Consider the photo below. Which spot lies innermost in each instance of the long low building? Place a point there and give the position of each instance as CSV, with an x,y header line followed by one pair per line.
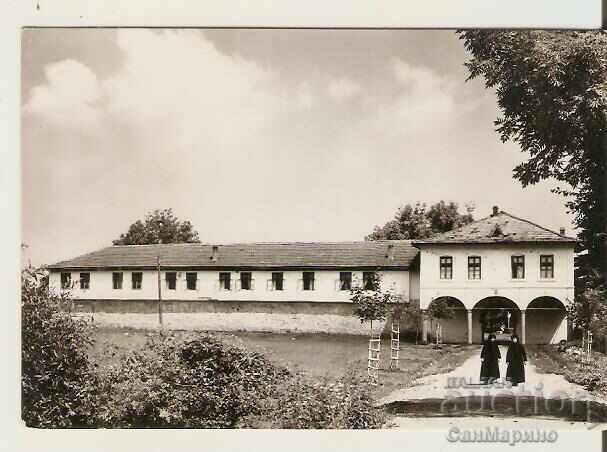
x,y
500,274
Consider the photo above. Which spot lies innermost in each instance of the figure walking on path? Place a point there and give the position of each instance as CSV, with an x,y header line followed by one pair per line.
x,y
516,359
490,357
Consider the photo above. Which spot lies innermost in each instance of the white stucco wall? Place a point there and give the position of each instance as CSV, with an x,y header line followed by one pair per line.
x,y
326,286
496,277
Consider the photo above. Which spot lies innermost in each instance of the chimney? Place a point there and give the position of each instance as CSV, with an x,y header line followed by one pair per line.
x,y
496,210
214,255
562,231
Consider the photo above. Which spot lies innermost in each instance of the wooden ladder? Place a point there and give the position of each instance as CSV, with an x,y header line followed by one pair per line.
x,y
395,345
439,336
374,357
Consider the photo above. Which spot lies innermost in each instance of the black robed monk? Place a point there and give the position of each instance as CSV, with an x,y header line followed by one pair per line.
x,y
516,359
490,358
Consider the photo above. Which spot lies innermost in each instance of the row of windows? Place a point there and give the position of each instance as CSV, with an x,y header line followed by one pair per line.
x,y
225,280
517,264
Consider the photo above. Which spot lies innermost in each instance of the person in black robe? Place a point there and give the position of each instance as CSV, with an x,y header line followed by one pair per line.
x,y
490,358
516,359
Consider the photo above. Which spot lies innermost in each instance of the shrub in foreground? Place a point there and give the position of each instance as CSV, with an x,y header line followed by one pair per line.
x,y
58,382
194,383
299,404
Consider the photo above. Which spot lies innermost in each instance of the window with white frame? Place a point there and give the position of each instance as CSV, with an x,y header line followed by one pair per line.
x,y
66,280
446,267
474,267
547,266
225,281
345,280
518,267
246,281
117,278
136,280
308,280
171,280
278,281
85,281
368,280
191,279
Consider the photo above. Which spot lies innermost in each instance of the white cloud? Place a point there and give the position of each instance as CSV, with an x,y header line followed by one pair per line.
x,y
424,101
180,84
343,88
70,96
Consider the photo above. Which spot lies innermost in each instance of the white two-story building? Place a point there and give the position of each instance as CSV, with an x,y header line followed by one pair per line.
x,y
500,273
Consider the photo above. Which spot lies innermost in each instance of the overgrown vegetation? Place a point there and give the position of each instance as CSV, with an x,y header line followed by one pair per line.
x,y
592,374
59,385
299,404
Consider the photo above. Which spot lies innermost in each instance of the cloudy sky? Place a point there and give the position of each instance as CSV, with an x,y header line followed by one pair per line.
x,y
254,135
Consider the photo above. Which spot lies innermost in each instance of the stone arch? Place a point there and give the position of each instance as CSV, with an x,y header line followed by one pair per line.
x,y
546,320
454,329
496,315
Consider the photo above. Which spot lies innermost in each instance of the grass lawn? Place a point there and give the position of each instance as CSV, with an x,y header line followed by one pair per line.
x,y
317,355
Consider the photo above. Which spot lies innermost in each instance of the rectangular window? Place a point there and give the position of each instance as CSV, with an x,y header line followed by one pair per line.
x,y
368,280
66,280
446,267
117,280
546,266
345,280
308,280
225,280
190,280
85,281
277,281
474,267
518,267
136,280
171,279
246,280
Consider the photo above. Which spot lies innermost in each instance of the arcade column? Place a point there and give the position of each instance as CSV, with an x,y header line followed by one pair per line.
x,y
424,326
469,312
523,316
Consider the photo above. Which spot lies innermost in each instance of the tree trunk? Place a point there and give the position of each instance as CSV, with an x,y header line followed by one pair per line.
x,y
604,209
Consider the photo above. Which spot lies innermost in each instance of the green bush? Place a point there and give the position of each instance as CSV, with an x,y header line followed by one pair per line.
x,y
299,404
193,383
58,382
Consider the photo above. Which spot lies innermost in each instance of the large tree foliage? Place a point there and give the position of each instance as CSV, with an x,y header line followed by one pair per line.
x,y
551,89
159,226
58,382
419,222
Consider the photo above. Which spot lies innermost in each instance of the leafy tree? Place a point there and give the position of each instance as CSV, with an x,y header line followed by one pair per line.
x,y
418,222
159,226
551,89
588,311
441,309
370,301
58,382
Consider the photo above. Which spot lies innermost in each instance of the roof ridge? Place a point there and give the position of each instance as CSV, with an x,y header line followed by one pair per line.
x,y
535,224
459,228
297,242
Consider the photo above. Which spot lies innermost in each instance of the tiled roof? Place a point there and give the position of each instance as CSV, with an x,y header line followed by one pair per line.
x,y
499,228
371,254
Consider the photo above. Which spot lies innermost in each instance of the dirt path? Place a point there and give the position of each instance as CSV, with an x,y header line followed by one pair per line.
x,y
463,381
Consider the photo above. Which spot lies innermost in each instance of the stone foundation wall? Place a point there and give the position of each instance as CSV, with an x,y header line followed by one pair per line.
x,y
300,317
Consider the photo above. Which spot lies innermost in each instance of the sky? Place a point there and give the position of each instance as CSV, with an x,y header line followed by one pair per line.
x,y
255,135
